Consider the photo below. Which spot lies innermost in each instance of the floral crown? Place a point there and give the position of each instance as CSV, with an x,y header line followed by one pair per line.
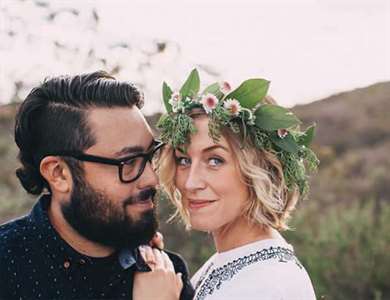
x,y
269,127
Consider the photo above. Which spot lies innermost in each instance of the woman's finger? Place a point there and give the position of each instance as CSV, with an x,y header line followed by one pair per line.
x,y
179,281
148,255
157,241
142,252
159,259
167,262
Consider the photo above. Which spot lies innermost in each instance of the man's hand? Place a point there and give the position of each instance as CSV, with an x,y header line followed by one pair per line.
x,y
161,283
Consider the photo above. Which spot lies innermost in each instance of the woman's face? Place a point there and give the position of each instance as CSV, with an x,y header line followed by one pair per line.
x,y
209,181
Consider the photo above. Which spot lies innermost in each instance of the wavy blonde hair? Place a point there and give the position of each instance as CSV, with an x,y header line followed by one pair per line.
x,y
270,202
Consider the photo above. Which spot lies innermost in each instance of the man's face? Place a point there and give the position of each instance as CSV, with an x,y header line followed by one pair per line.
x,y
101,207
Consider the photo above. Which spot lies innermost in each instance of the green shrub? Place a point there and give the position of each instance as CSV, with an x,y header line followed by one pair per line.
x,y
346,250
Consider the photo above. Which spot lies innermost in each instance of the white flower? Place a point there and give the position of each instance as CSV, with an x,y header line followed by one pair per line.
x,y
188,100
209,102
224,87
233,106
282,133
175,99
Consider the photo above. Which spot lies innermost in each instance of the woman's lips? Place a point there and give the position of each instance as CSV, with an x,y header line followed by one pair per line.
x,y
198,204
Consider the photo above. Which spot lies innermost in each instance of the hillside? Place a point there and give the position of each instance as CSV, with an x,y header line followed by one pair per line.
x,y
353,139
341,230
350,120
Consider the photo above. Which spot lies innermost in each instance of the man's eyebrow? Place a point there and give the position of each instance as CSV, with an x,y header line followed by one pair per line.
x,y
132,149
129,150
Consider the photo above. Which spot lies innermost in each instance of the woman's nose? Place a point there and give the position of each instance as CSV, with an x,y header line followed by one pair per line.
x,y
195,180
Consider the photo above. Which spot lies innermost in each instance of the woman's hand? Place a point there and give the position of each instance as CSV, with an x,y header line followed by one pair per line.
x,y
161,283
157,241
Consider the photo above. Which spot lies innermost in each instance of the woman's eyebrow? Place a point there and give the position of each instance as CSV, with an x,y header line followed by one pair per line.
x,y
208,149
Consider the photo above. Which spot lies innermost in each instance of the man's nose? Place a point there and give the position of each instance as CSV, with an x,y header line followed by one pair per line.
x,y
149,177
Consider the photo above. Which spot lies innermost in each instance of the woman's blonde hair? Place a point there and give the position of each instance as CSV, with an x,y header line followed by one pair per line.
x,y
270,202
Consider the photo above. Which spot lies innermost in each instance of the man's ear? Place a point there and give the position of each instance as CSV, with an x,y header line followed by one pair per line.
x,y
57,174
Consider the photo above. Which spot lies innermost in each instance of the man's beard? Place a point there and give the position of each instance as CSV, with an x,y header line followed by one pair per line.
x,y
93,215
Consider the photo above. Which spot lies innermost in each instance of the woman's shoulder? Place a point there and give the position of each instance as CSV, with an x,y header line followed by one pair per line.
x,y
273,266
275,280
269,266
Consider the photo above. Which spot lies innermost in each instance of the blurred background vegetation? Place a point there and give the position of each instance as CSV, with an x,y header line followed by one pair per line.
x,y
340,233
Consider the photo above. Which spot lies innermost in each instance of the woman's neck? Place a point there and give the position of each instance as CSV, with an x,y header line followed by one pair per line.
x,y
240,232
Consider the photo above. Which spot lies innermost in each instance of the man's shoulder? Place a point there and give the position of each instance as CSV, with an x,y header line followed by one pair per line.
x,y
15,234
180,265
176,259
178,262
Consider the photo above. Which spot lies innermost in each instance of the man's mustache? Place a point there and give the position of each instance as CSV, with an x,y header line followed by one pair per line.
x,y
142,196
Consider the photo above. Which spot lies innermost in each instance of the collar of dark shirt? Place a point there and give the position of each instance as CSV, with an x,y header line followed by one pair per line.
x,y
58,249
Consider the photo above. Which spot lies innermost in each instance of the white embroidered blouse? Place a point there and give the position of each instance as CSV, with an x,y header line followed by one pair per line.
x,y
266,269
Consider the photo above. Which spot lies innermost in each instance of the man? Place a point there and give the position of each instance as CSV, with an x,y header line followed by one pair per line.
x,y
87,150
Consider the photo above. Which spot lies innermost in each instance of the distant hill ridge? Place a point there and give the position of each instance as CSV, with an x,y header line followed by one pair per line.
x,y
349,119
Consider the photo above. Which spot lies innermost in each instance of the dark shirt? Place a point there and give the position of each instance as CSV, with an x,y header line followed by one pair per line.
x,y
36,263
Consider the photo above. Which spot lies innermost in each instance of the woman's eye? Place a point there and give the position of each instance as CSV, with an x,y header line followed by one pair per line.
x,y
183,161
215,161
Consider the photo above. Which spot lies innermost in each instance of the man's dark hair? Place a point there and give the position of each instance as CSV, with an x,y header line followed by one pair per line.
x,y
53,118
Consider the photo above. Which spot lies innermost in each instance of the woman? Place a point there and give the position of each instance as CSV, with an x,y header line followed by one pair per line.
x,y
235,166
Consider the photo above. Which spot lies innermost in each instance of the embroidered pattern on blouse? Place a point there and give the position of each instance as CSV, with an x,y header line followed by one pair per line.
x,y
203,276
228,271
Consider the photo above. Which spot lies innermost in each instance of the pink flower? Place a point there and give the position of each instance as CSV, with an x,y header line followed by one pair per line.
x,y
282,133
175,99
209,102
224,87
233,106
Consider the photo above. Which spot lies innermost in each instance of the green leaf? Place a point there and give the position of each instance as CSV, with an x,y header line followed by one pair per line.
x,y
250,92
272,117
191,86
308,136
287,143
213,89
167,93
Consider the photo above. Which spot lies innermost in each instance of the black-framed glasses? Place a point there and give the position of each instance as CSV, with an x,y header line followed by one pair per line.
x,y
130,168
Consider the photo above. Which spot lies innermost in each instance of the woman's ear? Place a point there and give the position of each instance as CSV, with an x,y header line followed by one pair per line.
x,y
57,174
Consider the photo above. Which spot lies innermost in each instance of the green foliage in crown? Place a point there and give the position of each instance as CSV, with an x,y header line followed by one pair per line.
x,y
269,127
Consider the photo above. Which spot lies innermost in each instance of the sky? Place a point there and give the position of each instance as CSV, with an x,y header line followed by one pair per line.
x,y
308,49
